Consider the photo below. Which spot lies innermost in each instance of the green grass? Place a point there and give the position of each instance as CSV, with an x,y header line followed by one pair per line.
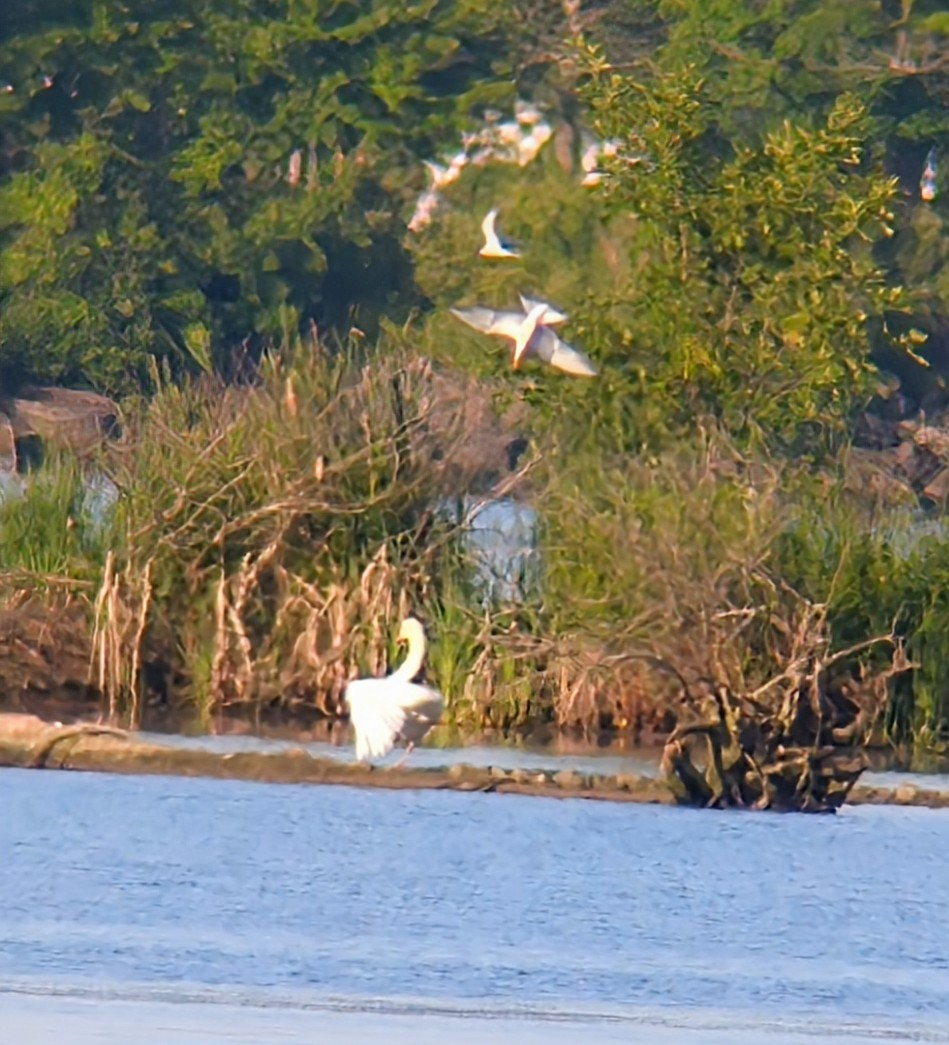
x,y
49,526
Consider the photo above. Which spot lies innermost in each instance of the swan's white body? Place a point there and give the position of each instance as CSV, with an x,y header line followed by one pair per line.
x,y
493,245
543,343
392,710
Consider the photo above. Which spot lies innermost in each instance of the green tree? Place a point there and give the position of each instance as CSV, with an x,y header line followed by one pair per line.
x,y
758,279
796,60
180,178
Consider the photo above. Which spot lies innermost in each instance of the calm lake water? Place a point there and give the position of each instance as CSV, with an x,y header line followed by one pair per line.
x,y
153,909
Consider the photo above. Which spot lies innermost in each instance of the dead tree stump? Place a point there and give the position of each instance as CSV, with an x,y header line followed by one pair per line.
x,y
797,741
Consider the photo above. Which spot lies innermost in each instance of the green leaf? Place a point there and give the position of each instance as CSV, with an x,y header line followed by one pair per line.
x,y
197,339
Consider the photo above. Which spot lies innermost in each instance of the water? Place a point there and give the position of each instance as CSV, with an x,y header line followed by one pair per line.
x,y
586,759
98,499
502,541
227,911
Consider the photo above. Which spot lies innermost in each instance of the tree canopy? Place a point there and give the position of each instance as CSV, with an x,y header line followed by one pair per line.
x,y
179,178
183,183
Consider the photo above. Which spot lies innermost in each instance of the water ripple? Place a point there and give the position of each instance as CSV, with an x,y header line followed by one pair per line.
x,y
459,904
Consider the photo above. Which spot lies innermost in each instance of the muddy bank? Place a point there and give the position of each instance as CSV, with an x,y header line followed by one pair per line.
x,y
28,742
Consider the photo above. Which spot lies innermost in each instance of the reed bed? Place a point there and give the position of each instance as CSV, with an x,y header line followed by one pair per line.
x,y
275,535
265,539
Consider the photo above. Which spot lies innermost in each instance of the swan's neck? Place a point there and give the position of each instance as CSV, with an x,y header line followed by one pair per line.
x,y
414,658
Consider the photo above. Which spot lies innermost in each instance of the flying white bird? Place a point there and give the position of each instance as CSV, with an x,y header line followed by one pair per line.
x,y
589,161
590,155
525,331
509,132
457,164
530,144
394,710
593,152
424,210
927,183
442,176
543,343
494,246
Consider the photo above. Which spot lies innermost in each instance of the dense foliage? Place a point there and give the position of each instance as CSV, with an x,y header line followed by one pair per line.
x,y
796,60
181,178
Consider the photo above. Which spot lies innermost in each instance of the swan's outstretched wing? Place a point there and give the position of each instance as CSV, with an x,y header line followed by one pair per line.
x,y
382,711
376,719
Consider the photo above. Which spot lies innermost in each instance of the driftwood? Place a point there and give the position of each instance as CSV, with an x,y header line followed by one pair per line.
x,y
44,736
55,736
796,743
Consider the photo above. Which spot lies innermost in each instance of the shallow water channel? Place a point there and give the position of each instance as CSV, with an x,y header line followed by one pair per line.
x,y
153,909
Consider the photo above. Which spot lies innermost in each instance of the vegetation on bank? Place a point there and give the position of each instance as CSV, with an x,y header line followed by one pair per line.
x,y
709,540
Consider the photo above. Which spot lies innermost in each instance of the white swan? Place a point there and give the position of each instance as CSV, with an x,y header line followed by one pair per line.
x,y
543,343
394,709
494,247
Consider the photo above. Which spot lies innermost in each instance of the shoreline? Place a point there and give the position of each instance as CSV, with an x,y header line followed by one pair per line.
x,y
93,1014
27,742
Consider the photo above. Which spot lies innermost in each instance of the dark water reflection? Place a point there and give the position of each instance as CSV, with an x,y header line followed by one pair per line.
x,y
303,896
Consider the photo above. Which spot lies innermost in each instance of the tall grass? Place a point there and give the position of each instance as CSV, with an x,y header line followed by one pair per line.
x,y
49,523
886,571
706,566
267,538
273,535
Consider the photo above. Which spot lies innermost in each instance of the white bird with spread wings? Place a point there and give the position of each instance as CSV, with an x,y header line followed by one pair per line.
x,y
534,323
394,710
